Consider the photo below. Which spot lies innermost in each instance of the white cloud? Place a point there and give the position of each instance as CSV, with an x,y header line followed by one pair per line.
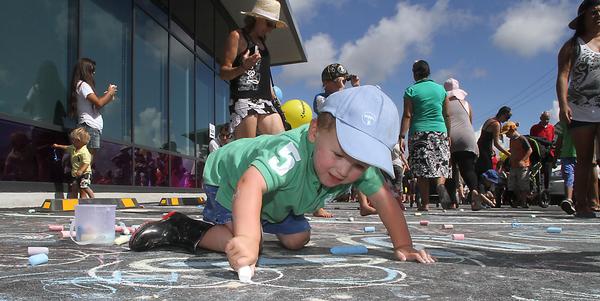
x,y
149,127
458,71
554,112
533,26
377,54
321,52
479,73
304,9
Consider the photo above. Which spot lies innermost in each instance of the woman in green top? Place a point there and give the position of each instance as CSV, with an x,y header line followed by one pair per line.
x,y
426,115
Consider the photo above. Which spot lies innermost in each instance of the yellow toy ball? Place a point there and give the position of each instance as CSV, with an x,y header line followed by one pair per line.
x,y
297,112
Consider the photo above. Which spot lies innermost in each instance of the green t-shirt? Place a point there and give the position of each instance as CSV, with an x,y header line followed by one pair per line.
x,y
286,164
427,99
567,150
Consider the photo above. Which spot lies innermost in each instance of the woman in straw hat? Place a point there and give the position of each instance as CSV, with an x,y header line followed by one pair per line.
x,y
577,86
247,65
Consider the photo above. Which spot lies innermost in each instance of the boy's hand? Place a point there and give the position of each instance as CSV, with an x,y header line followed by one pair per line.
x,y
242,251
409,253
79,173
54,145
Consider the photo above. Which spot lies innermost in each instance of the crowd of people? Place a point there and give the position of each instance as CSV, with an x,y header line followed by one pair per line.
x,y
267,183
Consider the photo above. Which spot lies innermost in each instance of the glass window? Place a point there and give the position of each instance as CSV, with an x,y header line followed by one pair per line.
x,y
223,25
221,100
106,38
158,9
204,107
34,72
182,21
112,164
149,84
181,98
205,30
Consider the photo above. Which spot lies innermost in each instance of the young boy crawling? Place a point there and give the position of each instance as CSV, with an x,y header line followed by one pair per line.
x,y
269,182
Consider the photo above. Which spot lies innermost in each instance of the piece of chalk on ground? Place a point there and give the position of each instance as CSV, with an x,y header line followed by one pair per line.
x,y
55,227
554,229
446,226
349,250
38,259
31,210
461,210
533,215
122,239
67,234
418,213
351,219
36,250
424,223
458,236
369,229
515,225
245,274
118,229
141,206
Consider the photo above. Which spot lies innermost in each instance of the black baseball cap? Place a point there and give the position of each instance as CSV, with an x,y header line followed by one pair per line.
x,y
581,11
333,71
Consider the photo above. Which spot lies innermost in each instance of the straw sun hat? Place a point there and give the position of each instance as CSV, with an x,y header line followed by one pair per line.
x,y
267,9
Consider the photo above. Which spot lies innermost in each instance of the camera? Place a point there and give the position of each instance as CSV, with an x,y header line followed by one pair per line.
x,y
349,77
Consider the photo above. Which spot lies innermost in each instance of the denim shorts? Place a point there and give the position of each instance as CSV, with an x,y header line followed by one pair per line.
x,y
217,214
94,136
568,171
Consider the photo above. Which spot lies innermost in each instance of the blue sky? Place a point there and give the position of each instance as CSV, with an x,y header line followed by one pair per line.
x,y
502,52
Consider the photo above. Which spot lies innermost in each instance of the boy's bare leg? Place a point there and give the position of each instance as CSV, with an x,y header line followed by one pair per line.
x,y
217,237
294,241
89,192
321,212
365,207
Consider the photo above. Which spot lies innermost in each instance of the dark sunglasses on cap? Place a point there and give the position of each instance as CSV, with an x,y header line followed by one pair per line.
x,y
271,24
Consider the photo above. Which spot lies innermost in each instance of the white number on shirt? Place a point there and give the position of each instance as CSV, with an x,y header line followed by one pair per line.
x,y
290,154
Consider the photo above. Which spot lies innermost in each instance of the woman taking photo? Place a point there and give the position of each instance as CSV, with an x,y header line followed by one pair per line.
x,y
247,66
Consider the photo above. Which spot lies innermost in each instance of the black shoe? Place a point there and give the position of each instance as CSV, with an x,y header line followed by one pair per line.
x,y
174,229
444,196
567,206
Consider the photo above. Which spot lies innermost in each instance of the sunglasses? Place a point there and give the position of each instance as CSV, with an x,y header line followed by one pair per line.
x,y
271,24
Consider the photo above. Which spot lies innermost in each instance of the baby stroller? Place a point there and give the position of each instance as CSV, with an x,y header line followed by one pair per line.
x,y
540,155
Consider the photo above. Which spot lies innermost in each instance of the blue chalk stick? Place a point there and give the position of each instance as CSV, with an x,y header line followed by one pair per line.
x,y
38,259
516,225
348,250
369,229
554,230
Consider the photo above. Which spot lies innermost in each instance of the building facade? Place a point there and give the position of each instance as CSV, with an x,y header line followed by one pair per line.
x,y
164,57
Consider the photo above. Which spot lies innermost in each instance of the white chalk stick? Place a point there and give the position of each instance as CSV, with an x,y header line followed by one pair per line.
x,y
245,274
447,226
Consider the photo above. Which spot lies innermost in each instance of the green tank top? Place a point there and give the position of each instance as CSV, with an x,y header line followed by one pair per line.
x,y
427,99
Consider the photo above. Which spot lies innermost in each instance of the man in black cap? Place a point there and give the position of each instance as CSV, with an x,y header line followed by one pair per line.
x,y
334,78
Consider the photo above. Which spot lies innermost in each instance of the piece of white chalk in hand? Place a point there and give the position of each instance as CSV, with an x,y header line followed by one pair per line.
x,y
245,274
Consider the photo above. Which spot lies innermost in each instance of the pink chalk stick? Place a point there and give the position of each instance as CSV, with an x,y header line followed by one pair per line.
x,y
36,250
55,227
67,234
447,226
424,223
458,236
118,229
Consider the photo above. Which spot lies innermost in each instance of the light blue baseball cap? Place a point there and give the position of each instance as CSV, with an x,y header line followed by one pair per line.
x,y
367,124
